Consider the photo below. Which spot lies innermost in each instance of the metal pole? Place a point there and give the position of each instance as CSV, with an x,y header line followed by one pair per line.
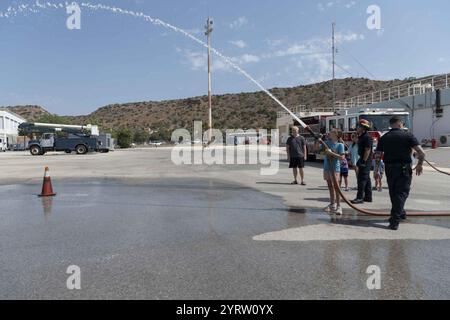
x,y
208,32
333,25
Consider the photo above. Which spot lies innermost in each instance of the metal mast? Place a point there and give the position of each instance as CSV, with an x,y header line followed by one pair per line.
x,y
333,25
209,29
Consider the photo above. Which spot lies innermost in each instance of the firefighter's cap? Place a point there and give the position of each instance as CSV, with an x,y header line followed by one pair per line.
x,y
364,124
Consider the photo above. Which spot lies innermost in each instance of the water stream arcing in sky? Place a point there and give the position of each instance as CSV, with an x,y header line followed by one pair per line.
x,y
34,8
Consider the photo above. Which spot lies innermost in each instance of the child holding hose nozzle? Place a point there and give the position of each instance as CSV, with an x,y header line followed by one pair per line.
x,y
334,152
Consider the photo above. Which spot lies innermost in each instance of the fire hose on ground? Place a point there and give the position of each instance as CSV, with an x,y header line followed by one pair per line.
x,y
366,211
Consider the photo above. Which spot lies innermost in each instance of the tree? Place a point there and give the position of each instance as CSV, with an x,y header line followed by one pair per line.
x,y
124,138
93,120
141,136
53,118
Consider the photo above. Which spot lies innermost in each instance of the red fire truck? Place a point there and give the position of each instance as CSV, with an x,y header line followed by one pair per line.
x,y
347,120
318,125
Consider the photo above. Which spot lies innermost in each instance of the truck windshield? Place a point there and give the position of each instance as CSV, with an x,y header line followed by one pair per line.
x,y
381,122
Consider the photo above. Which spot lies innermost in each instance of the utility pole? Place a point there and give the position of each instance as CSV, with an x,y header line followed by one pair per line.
x,y
209,29
333,25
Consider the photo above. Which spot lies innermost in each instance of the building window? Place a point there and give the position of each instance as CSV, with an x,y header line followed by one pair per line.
x,y
352,122
341,124
332,124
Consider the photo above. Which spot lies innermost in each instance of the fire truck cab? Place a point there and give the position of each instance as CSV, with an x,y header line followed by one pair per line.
x,y
347,121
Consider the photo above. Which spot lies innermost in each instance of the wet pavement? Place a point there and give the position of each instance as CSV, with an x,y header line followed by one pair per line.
x,y
204,239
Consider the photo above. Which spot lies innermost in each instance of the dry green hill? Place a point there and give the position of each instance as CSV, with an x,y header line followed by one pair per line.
x,y
31,113
243,110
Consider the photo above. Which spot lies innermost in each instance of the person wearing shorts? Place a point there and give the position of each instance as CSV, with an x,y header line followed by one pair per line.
x,y
335,152
344,174
296,151
378,172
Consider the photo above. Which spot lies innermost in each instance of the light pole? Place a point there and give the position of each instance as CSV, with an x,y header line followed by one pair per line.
x,y
333,25
209,29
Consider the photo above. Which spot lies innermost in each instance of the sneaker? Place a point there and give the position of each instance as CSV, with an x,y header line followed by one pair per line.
x,y
357,201
347,189
338,211
330,208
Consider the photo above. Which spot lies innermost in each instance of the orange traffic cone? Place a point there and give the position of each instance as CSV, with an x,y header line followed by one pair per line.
x,y
47,190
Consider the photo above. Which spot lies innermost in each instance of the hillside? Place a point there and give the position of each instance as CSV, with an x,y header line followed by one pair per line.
x,y
243,110
31,113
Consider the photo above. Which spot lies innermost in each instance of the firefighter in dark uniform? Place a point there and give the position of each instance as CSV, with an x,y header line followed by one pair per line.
x,y
365,150
397,146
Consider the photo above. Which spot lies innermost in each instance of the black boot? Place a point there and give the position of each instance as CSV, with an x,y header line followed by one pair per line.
x,y
393,226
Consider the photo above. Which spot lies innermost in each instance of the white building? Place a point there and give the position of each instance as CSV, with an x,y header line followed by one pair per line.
x,y
419,99
9,126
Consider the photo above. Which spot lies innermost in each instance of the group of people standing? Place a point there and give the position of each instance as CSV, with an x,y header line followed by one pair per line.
x,y
395,147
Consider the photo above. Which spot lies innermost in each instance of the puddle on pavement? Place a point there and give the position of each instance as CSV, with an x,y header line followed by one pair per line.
x,y
151,237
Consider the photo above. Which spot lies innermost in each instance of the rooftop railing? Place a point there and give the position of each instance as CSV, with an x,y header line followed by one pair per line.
x,y
304,111
412,88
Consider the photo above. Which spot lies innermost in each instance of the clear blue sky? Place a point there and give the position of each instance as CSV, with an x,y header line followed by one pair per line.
x,y
116,58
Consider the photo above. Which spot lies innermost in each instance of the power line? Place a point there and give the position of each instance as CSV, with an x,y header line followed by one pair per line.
x,y
360,64
345,70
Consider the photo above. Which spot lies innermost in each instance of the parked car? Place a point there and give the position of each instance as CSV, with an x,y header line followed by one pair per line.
x,y
155,143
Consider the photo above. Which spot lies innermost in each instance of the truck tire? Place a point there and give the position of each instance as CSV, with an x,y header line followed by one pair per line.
x,y
36,151
81,149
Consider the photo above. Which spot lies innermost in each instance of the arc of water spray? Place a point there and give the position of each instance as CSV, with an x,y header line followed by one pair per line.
x,y
158,22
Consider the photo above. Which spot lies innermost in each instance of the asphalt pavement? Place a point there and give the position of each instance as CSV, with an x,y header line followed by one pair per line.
x,y
147,229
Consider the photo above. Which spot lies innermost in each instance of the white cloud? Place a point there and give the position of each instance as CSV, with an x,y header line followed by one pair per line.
x,y
350,4
198,60
348,37
194,31
317,68
249,58
276,42
313,46
239,23
310,60
239,43
337,3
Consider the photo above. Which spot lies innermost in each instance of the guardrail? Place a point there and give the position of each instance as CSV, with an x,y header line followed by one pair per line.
x,y
303,111
420,86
